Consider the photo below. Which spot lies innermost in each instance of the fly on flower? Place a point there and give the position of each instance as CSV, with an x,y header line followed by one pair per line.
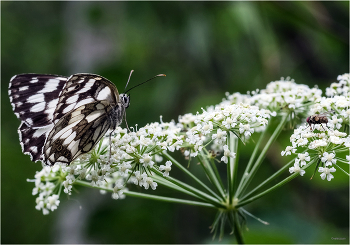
x,y
318,119
64,117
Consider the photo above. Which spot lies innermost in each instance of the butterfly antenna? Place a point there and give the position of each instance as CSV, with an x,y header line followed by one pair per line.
x,y
159,75
128,79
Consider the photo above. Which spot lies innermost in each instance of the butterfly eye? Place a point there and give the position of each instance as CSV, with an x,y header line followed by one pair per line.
x,y
126,101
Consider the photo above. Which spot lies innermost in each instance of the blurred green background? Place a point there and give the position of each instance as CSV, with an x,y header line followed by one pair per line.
x,y
205,49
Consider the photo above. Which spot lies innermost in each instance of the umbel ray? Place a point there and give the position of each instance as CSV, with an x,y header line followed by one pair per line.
x,y
64,117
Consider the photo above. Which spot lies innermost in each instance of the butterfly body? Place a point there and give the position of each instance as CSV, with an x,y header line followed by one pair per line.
x,y
63,118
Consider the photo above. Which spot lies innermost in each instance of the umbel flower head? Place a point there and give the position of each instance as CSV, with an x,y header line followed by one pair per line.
x,y
342,87
135,156
320,145
213,124
278,96
141,156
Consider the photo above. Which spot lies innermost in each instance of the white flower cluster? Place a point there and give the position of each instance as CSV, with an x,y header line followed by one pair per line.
x,y
320,144
341,88
45,186
136,153
214,123
51,180
279,95
338,105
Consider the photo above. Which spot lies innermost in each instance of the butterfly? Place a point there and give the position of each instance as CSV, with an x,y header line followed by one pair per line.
x,y
64,117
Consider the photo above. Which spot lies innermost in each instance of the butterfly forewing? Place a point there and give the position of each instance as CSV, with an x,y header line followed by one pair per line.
x,y
81,89
78,132
34,97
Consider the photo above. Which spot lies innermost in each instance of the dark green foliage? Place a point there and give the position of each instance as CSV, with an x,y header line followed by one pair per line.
x,y
205,49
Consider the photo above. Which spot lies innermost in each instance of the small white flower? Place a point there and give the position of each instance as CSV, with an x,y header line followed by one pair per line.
x,y
328,158
227,154
117,190
166,168
303,158
219,137
289,150
326,172
335,122
52,202
67,187
246,129
147,160
124,168
138,180
148,182
158,158
230,122
93,176
296,169
318,144
207,128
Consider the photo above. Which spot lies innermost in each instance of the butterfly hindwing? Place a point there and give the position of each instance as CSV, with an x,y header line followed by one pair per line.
x,y
34,97
78,132
81,89
32,140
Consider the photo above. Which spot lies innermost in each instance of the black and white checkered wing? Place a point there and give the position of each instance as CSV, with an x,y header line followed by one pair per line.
x,y
34,97
64,117
78,132
81,89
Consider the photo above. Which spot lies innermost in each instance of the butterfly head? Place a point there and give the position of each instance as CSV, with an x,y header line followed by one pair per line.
x,y
125,100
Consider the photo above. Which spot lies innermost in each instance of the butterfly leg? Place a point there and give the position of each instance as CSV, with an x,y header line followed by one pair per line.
x,y
126,122
110,147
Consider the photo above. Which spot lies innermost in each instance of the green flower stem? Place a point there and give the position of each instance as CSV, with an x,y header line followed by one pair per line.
x,y
252,157
283,182
214,226
168,199
232,165
177,164
211,174
345,149
216,172
237,228
212,162
170,185
148,196
189,188
272,177
263,153
342,160
341,169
